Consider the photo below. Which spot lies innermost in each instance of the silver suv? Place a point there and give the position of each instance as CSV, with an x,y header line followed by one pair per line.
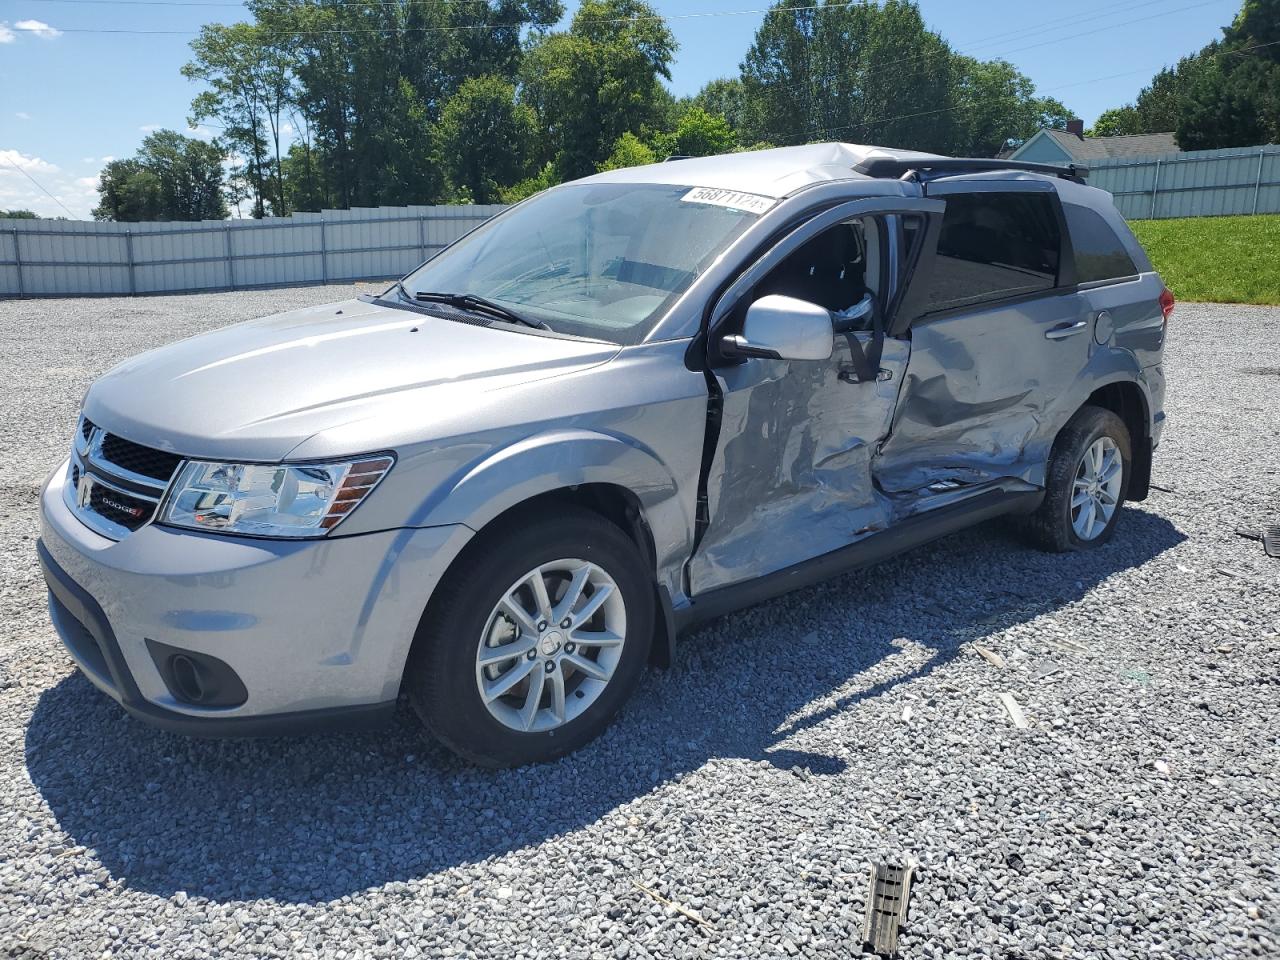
x,y
626,405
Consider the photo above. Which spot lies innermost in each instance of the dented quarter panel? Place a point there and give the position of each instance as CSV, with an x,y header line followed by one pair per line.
x,y
983,393
791,478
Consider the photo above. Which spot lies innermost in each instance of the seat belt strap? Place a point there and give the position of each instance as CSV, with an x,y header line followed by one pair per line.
x,y
865,363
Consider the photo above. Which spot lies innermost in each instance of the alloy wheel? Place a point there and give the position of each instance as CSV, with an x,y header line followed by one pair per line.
x,y
1095,493
550,645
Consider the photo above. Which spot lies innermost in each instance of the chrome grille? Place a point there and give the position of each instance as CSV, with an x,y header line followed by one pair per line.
x,y
113,484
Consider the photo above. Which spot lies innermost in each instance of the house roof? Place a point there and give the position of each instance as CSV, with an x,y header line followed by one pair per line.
x,y
1110,148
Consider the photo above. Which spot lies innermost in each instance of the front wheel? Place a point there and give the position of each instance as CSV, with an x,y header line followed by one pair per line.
x,y
540,635
1085,484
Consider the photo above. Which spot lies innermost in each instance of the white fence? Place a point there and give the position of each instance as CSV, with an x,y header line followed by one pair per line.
x,y
1202,183
70,258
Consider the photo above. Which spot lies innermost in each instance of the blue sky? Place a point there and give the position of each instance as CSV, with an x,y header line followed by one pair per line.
x,y
71,99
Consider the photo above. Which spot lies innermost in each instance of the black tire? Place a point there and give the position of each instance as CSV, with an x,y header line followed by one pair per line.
x,y
1050,527
441,676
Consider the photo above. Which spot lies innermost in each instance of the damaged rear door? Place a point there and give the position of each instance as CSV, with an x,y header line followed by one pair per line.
x,y
1001,338
789,474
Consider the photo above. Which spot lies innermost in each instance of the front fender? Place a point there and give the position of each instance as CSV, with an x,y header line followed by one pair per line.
x,y
504,478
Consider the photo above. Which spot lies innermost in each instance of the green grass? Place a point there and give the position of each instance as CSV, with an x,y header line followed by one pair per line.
x,y
1216,259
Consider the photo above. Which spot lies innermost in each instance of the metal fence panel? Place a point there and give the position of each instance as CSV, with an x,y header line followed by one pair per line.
x,y
72,258
1202,183
69,258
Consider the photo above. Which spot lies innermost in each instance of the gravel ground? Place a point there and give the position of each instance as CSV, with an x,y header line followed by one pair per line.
x,y
752,783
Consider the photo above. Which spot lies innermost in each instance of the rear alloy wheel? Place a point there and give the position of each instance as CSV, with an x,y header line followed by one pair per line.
x,y
538,635
1095,493
1085,483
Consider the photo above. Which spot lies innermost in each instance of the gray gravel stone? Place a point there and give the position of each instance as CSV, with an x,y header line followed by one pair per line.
x,y
752,784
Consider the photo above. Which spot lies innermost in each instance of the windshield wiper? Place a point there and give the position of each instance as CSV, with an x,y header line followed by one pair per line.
x,y
471,301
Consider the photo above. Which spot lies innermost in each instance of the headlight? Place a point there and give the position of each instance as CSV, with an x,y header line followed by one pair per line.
x,y
271,500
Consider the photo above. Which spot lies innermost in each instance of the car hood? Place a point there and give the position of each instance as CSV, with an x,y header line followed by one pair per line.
x,y
256,390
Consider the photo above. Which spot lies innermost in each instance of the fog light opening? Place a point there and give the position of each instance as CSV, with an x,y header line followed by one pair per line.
x,y
186,676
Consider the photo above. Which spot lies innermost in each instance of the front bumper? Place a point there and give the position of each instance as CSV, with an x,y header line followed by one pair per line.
x,y
318,631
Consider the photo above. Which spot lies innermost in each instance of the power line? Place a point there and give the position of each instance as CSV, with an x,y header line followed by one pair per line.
x,y
41,186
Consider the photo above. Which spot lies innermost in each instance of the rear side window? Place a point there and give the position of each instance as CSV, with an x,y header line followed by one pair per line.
x,y
1099,253
994,246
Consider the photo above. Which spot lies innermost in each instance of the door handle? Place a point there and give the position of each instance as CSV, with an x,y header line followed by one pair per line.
x,y
1066,330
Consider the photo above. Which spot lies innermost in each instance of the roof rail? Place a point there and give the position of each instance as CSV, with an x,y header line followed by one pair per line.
x,y
892,167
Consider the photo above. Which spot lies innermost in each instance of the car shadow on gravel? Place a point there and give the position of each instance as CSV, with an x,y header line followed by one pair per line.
x,y
315,819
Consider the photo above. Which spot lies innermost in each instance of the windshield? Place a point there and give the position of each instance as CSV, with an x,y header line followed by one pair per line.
x,y
593,260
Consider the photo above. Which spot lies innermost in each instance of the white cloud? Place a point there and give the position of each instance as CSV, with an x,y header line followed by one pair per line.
x,y
39,28
88,159
22,115
13,158
108,158
201,132
17,191
151,127
6,35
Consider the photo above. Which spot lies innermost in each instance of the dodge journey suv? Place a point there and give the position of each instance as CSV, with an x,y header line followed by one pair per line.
x,y
630,403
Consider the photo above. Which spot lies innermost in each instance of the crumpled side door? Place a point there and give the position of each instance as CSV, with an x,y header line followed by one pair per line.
x,y
989,385
790,476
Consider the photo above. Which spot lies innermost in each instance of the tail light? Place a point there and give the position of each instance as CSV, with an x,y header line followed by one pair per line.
x,y
1166,303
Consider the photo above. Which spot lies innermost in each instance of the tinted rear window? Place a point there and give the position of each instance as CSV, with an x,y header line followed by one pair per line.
x,y
1100,255
994,246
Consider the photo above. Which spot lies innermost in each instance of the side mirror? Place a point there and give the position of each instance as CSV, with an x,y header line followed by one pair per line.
x,y
783,328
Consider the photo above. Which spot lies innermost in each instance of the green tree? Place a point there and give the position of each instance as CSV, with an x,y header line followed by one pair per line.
x,y
726,98
864,73
1256,27
995,105
250,90
171,177
698,134
1253,65
1230,105
128,193
1117,122
18,215
1159,102
1225,95
629,151
598,80
544,179
372,80
486,138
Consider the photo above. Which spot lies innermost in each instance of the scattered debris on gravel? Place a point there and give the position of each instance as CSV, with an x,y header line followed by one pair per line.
x,y
737,807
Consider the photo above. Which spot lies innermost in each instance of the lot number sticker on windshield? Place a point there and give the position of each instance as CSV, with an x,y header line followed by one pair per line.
x,y
734,199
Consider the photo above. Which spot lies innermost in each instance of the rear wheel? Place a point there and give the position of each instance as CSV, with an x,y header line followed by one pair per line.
x,y
1085,484
540,635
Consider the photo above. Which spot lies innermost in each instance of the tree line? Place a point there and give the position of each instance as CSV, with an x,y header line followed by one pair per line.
x,y
1225,95
338,103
